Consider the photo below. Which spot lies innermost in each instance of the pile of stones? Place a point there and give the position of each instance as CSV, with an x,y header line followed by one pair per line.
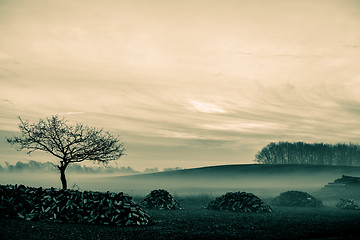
x,y
296,199
240,202
53,205
347,204
160,199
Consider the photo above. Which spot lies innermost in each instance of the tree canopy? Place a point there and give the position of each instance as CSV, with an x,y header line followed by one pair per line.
x,y
69,143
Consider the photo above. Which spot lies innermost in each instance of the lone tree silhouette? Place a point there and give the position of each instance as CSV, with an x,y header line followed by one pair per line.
x,y
71,144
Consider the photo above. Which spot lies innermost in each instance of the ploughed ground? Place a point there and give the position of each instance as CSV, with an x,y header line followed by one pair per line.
x,y
195,222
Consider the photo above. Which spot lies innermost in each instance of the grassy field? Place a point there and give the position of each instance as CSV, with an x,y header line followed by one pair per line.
x,y
194,189
195,222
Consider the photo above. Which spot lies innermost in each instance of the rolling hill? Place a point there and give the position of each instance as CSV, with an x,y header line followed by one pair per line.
x,y
261,179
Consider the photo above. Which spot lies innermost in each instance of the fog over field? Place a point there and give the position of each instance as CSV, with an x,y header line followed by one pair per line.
x,y
265,181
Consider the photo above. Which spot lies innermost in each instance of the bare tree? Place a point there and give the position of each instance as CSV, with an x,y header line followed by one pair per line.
x,y
69,143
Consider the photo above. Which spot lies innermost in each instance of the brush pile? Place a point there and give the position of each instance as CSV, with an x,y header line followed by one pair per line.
x,y
344,187
296,199
347,204
240,202
70,206
160,199
348,181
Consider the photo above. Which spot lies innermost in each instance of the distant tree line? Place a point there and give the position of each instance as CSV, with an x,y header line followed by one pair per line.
x,y
35,166
151,170
309,153
155,169
49,167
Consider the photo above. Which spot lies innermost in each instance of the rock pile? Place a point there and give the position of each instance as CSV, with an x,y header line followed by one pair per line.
x,y
296,199
347,204
70,206
160,199
239,201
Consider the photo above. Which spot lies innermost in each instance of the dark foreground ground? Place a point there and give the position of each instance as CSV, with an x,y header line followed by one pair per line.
x,y
195,222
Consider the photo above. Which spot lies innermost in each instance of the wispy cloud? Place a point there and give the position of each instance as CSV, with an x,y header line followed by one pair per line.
x,y
205,107
69,113
210,85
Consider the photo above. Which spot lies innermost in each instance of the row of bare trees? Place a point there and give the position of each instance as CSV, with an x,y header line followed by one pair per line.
x,y
49,167
309,153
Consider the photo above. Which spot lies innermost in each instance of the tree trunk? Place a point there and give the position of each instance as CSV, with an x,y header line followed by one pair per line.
x,y
63,178
62,175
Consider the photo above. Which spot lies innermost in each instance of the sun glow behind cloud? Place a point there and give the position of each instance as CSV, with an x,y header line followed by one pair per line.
x,y
205,107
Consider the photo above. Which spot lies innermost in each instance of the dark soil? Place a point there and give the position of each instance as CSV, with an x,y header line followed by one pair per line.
x,y
195,222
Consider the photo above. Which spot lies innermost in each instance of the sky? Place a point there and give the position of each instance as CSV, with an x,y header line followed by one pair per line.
x,y
184,83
